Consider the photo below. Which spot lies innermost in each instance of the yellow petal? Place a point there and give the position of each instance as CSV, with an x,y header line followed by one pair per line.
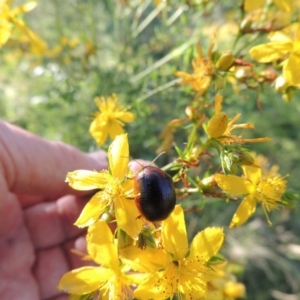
x,y
154,287
99,133
174,235
250,5
136,278
218,103
84,180
115,129
252,173
24,8
125,116
118,156
5,31
100,245
206,243
245,210
280,37
285,5
291,70
75,297
270,52
145,260
128,217
213,295
92,211
37,44
233,185
83,280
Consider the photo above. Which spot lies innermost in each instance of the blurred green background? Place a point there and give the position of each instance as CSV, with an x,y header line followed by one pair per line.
x,y
132,49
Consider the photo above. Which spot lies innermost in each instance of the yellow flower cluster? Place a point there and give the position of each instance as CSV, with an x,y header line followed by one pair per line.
x,y
220,127
109,120
115,190
257,188
284,47
10,23
138,259
153,260
203,71
128,272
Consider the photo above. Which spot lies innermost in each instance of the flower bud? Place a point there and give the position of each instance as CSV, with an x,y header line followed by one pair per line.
x,y
234,290
225,61
244,157
233,157
146,238
217,125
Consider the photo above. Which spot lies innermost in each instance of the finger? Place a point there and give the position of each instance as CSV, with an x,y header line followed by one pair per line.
x,y
32,165
138,164
21,285
52,263
60,297
16,254
50,224
50,266
11,218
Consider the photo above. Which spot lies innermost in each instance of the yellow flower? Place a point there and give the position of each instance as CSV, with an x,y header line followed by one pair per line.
x,y
9,19
176,269
285,5
203,71
223,285
109,278
284,45
114,192
267,190
220,127
110,119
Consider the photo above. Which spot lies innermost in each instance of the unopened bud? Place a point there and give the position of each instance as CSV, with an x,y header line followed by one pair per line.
x,y
225,61
146,238
217,125
234,290
245,158
232,158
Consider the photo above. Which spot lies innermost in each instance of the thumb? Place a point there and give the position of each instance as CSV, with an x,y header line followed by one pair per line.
x,y
34,166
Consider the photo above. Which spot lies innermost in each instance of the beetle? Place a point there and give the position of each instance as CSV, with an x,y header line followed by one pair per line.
x,y
155,193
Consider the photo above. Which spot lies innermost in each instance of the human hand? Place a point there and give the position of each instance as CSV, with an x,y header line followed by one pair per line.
x,y
37,212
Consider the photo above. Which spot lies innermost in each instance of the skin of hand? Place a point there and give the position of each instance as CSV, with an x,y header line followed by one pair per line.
x,y
37,212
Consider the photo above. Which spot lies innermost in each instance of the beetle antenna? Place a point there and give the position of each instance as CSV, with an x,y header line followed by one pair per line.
x,y
160,154
151,163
